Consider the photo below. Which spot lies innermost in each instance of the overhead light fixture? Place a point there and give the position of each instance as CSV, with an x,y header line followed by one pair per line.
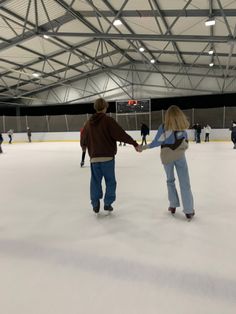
x,y
210,52
35,74
211,64
210,22
141,49
46,36
117,23
152,60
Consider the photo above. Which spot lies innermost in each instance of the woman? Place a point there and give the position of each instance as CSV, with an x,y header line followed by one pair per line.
x,y
173,139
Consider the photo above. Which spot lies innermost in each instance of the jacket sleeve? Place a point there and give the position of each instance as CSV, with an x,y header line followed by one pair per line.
x,y
118,134
158,139
84,138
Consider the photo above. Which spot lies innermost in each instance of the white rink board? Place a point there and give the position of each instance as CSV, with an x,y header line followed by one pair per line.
x,y
216,135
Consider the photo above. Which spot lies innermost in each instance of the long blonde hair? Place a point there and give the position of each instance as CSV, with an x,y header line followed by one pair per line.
x,y
175,119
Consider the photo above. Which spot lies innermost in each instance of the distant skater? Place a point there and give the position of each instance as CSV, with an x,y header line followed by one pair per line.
x,y
198,131
233,133
144,132
10,135
207,130
1,141
173,139
29,133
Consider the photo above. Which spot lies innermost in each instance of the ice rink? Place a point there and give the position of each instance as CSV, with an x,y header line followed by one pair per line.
x,y
58,257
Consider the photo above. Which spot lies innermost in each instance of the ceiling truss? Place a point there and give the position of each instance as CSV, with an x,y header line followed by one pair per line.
x,y
73,59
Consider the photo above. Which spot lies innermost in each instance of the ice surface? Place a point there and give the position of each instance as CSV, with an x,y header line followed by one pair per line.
x,y
56,256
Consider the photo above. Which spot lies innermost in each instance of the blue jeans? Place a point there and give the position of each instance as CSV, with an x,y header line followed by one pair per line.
x,y
184,183
98,171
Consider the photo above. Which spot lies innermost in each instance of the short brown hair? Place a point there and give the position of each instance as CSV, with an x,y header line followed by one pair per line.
x,y
100,104
175,119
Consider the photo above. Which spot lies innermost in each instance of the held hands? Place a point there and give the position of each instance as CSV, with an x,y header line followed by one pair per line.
x,y
139,148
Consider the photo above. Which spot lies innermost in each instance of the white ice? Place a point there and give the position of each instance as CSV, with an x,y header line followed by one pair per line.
x,y
58,257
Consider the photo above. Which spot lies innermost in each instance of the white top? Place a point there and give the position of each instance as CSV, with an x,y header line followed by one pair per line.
x,y
207,129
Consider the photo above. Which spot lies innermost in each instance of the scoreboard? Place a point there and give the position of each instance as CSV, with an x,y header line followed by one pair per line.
x,y
133,106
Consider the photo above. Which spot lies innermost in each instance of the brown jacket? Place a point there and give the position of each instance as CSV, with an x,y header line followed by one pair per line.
x,y
100,135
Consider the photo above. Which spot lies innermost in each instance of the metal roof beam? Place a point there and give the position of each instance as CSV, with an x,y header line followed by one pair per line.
x,y
70,80
3,2
54,73
78,16
165,13
169,72
16,41
147,37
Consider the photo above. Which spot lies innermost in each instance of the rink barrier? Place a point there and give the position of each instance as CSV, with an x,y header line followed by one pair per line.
x,y
216,135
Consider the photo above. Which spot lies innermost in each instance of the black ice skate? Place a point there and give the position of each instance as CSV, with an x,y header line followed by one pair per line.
x,y
82,163
96,208
190,216
172,210
108,208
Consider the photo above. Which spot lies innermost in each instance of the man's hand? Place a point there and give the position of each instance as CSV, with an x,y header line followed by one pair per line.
x,y
138,148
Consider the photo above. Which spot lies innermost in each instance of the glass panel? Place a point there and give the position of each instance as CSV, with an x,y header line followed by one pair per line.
x,y
156,119
57,123
11,123
211,116
37,124
1,124
230,114
188,113
76,122
127,122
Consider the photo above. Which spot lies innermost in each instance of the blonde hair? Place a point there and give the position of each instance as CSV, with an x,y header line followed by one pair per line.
x,y
175,119
100,104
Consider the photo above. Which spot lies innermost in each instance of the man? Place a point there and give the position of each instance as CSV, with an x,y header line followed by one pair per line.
x,y
99,136
10,134
233,133
29,134
198,130
144,132
1,140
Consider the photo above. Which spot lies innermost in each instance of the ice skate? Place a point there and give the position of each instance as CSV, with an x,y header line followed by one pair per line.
x,y
108,208
97,208
190,216
172,210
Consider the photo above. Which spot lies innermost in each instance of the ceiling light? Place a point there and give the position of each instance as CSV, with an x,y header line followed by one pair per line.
x,y
210,52
36,74
210,22
211,64
141,49
117,23
46,36
153,61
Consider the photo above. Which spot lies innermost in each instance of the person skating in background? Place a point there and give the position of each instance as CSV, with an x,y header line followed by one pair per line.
x,y
233,133
207,130
194,127
121,144
173,139
10,135
198,131
83,150
144,132
1,141
29,134
99,136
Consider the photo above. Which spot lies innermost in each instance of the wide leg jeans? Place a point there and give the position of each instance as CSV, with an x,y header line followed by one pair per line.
x,y
184,183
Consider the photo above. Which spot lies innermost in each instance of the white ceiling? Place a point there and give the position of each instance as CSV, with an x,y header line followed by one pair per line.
x,y
84,46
